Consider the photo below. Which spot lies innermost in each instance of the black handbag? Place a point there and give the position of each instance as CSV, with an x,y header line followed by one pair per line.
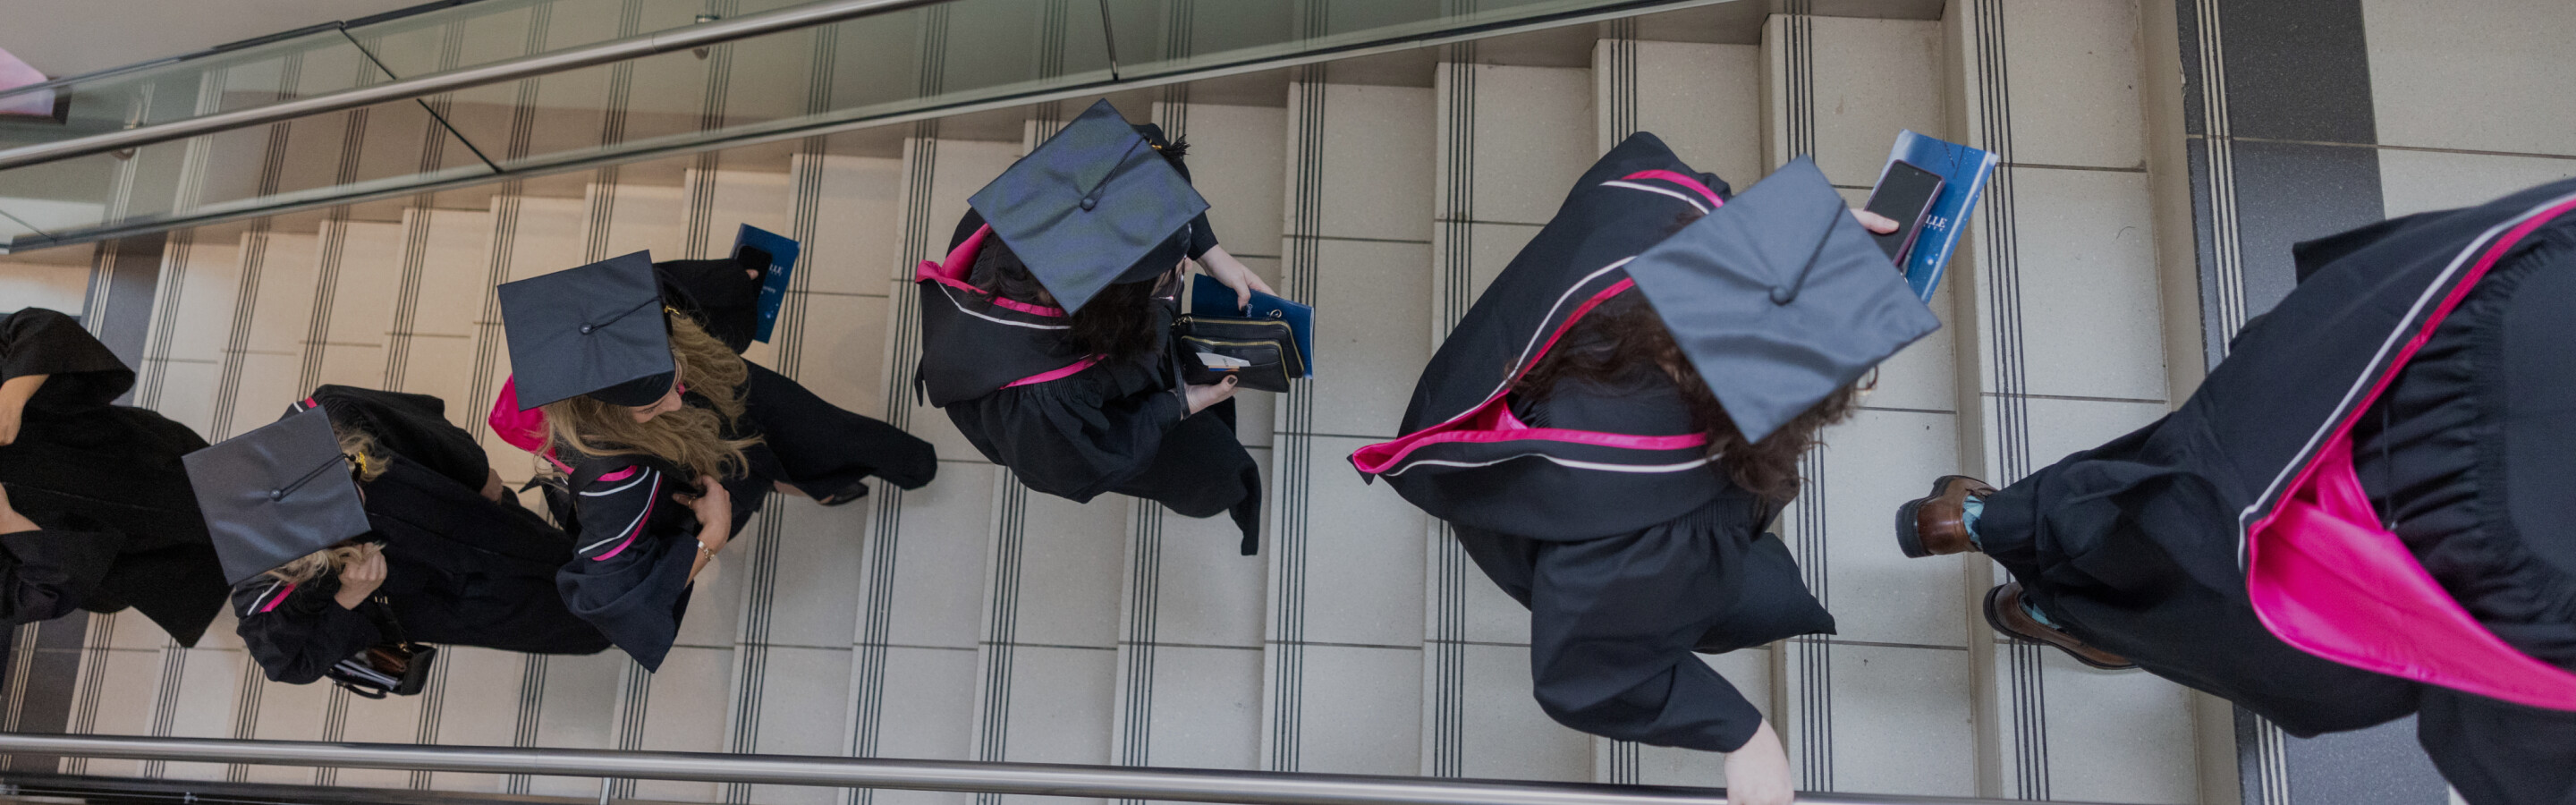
x,y
1261,354
398,668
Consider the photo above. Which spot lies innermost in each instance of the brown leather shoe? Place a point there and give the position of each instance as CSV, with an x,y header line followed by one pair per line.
x,y
1937,524
2004,612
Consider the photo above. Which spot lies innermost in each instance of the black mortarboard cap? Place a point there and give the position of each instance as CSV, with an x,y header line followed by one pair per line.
x,y
1089,207
1779,298
595,329
275,494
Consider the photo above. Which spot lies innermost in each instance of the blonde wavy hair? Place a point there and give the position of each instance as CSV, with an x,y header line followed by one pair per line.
x,y
325,562
691,437
366,463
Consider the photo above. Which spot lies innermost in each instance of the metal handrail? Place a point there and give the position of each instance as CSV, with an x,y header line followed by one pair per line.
x,y
1044,779
758,134
616,50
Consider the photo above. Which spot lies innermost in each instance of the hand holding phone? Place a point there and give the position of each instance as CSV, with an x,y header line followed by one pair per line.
x,y
1904,194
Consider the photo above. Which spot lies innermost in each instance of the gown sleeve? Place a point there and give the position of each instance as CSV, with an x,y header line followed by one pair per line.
x,y
297,631
1202,237
1613,625
36,341
629,575
46,574
1069,437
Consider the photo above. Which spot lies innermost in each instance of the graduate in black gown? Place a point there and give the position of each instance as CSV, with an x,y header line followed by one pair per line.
x,y
663,440
98,476
451,558
2362,513
1046,332
1610,428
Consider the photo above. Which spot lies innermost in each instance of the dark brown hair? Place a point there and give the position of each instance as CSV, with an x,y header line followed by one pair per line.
x,y
1117,322
1609,344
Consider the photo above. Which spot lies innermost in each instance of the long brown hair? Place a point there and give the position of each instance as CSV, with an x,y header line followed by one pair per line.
x,y
691,437
1117,322
1623,333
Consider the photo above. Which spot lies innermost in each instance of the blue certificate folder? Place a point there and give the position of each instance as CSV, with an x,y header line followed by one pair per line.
x,y
1211,299
1965,170
773,284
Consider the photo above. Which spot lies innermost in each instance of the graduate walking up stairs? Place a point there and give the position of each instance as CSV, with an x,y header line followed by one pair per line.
x,y
974,619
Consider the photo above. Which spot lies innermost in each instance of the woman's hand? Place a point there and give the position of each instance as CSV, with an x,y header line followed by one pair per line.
x,y
11,521
361,578
1234,274
1874,222
14,394
493,488
1203,396
714,508
712,504
1757,773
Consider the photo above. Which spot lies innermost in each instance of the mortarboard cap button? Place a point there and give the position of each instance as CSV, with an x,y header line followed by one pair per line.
x,y
276,493
1091,207
1778,294
587,329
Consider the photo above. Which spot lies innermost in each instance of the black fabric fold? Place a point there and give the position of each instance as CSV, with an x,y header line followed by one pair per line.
x,y
82,371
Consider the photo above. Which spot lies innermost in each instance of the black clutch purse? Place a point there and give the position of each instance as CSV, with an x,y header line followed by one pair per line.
x,y
1261,354
398,668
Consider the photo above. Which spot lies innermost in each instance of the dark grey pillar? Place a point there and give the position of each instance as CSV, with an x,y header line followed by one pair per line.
x,y
2282,140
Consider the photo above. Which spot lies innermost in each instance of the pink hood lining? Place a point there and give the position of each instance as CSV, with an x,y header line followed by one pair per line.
x,y
2326,577
951,271
1492,421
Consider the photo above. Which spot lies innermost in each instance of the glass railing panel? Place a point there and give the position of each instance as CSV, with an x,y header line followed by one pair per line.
x,y
1175,35
307,64
923,60
277,166
877,65
146,183
480,33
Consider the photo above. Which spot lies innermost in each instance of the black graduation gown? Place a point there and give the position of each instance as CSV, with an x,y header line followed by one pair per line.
x,y
82,464
460,569
634,544
2137,546
2468,456
413,426
1069,425
1597,506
